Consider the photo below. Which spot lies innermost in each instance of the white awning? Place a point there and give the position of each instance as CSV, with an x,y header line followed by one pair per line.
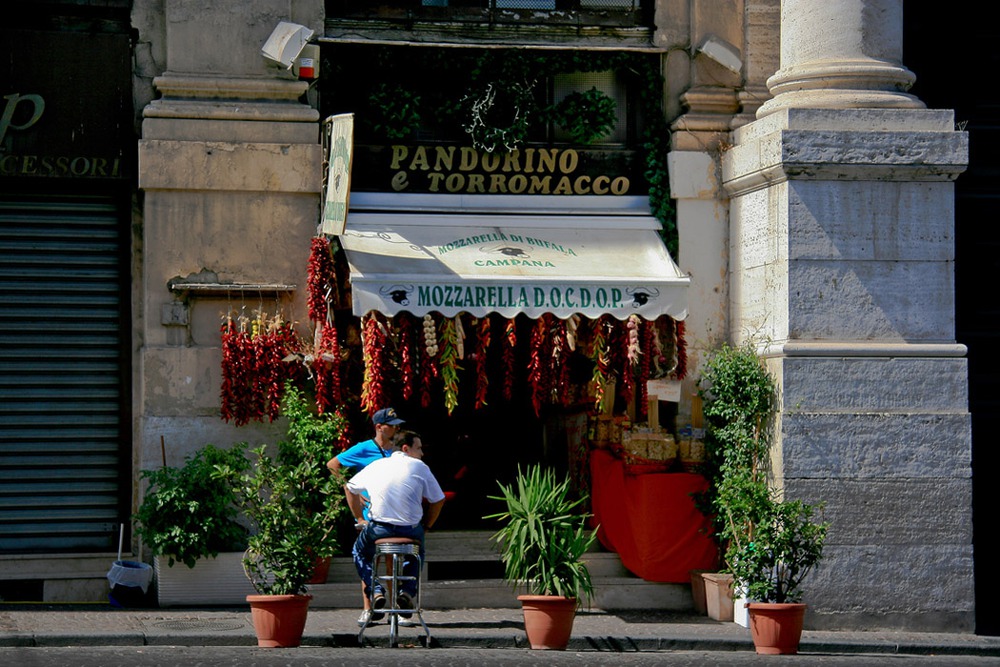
x,y
449,262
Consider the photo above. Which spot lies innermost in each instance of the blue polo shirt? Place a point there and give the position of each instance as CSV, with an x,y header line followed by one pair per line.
x,y
360,455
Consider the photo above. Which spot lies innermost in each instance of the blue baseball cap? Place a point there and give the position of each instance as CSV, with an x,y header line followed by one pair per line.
x,y
387,416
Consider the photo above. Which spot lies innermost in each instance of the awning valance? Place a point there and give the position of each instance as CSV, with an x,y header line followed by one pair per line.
x,y
510,264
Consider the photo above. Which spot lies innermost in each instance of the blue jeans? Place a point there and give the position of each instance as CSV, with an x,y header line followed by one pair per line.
x,y
364,551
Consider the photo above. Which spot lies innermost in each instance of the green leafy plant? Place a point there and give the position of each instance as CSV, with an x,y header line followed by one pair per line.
x,y
769,545
291,500
586,115
544,536
189,512
738,397
396,111
785,544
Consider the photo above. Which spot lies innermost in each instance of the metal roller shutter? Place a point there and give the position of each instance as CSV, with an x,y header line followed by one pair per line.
x,y
63,373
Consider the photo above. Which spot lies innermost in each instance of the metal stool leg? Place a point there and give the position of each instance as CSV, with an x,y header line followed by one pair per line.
x,y
390,554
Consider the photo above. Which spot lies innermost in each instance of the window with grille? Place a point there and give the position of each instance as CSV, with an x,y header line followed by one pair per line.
x,y
622,13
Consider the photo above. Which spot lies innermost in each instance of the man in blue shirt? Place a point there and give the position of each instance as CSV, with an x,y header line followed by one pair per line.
x,y
354,459
399,487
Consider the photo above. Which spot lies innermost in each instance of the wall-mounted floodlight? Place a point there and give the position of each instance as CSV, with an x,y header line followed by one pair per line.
x,y
286,43
722,52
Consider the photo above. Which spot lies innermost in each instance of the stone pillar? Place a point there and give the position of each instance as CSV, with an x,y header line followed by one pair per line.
x,y
230,165
842,269
841,54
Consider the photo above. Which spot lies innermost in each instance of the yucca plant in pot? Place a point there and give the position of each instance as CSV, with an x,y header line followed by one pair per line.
x,y
542,542
293,504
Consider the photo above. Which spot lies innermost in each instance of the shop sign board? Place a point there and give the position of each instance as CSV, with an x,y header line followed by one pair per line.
x,y
66,105
531,170
340,148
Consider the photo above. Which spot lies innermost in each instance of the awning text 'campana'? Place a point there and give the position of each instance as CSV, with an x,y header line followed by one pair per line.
x,y
532,263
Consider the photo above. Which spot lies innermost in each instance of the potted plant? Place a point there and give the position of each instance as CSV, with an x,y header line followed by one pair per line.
x,y
542,542
188,515
738,397
292,503
769,563
769,545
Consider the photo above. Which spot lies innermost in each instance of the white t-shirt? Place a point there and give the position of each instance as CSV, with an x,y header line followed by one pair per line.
x,y
397,486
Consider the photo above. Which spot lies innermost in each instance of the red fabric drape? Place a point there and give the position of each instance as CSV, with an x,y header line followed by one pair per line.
x,y
650,520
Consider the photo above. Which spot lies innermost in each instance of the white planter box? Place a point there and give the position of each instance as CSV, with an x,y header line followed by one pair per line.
x,y
741,615
212,581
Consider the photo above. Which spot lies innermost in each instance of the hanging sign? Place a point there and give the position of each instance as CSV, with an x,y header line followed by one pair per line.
x,y
340,147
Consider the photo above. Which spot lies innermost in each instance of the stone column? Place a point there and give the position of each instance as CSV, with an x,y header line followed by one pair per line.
x,y
842,270
230,165
841,54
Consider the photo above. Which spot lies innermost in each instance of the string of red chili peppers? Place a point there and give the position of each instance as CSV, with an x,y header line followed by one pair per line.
x,y
326,369
482,349
681,350
407,371
272,347
559,373
601,358
539,367
253,368
374,346
321,279
508,346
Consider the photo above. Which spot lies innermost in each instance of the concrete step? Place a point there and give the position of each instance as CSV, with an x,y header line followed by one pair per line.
x,y
470,555
609,593
464,570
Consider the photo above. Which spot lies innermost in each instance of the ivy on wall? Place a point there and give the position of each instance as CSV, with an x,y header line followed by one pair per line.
x,y
491,98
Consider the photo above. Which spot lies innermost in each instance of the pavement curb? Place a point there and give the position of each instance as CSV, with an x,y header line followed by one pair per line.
x,y
486,628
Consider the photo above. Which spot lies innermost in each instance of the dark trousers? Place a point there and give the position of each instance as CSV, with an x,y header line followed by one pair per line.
x,y
364,551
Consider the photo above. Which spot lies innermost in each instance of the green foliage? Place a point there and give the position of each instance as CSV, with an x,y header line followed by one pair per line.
x,y
769,545
292,501
544,538
190,512
396,111
586,115
785,545
360,77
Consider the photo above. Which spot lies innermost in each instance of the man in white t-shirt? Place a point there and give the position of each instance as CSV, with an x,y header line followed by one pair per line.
x,y
397,486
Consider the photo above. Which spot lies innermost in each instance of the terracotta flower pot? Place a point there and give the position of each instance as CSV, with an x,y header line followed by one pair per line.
x,y
279,620
776,627
718,595
321,571
698,591
548,620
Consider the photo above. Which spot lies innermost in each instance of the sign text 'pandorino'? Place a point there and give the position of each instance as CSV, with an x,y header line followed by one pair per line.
x,y
527,171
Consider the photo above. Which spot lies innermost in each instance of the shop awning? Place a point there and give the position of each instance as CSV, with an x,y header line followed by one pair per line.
x,y
563,264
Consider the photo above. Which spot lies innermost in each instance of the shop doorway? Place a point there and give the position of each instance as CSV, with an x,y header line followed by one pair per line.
x,y
470,453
